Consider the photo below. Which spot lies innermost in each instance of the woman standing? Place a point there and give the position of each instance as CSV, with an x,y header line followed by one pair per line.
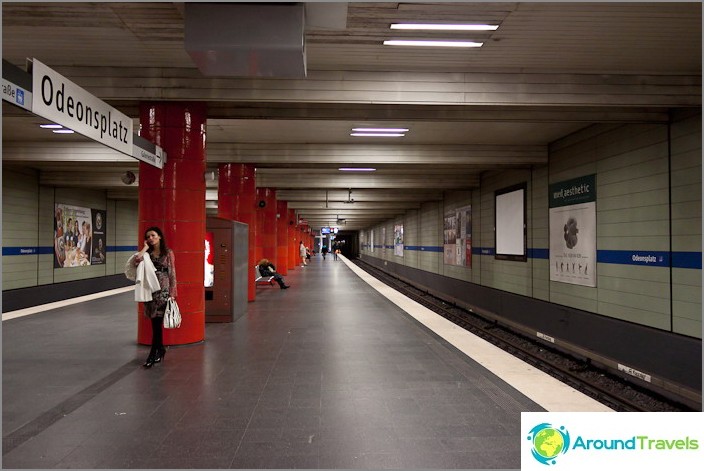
x,y
164,262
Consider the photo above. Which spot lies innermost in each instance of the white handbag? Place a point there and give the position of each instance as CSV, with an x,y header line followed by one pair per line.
x,y
172,315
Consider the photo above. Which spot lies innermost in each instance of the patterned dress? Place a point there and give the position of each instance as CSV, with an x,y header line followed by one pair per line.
x,y
166,274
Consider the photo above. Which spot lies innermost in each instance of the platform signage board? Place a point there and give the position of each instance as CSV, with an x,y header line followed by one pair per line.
x,y
59,100
16,95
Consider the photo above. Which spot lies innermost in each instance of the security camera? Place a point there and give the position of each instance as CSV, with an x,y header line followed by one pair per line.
x,y
128,178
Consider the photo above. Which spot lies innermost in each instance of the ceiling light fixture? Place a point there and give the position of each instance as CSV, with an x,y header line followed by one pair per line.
x,y
375,134
50,126
425,43
357,169
62,131
438,27
380,129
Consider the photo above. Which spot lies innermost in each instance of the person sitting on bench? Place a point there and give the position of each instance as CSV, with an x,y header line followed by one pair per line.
x,y
266,268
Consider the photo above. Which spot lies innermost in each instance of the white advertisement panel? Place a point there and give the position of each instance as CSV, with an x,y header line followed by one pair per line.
x,y
59,100
510,223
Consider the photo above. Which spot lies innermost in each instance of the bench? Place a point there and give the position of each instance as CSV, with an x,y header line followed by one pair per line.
x,y
262,280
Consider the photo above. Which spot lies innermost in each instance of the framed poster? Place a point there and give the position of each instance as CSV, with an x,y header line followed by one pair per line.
x,y
398,240
573,231
79,236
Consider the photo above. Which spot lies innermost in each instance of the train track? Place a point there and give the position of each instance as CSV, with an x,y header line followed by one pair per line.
x,y
609,389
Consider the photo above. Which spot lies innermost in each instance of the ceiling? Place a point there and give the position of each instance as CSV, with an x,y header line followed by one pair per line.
x,y
549,70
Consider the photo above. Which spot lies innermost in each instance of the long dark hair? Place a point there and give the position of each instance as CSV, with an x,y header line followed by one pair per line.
x,y
162,244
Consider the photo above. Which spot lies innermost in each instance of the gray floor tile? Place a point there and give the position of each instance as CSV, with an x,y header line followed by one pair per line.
x,y
294,386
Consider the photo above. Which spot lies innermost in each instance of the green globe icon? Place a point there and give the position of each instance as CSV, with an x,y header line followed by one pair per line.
x,y
548,443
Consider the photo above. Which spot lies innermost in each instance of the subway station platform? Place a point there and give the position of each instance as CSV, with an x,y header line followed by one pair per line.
x,y
339,371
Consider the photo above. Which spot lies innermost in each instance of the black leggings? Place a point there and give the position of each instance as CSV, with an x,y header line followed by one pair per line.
x,y
157,334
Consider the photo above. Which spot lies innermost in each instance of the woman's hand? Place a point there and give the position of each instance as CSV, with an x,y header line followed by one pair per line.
x,y
139,256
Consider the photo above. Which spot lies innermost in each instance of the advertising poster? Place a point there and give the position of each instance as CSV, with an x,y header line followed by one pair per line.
x,y
573,231
209,277
79,236
449,236
457,237
99,240
383,239
398,240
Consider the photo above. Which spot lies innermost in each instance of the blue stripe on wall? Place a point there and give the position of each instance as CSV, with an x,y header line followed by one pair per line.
x,y
539,253
629,257
423,248
50,250
687,260
691,260
122,248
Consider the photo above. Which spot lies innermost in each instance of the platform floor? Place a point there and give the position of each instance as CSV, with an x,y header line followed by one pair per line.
x,y
337,372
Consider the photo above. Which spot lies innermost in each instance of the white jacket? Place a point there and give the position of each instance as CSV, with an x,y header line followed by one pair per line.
x,y
146,281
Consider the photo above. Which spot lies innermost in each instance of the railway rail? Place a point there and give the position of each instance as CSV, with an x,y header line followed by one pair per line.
x,y
605,387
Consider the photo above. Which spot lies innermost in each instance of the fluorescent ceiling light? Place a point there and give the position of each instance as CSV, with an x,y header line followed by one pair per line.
x,y
407,42
50,126
357,169
436,27
380,130
62,131
375,134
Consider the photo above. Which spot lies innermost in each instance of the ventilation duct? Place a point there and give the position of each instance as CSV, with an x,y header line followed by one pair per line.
x,y
246,40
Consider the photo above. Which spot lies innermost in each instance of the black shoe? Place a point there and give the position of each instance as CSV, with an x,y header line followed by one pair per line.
x,y
160,355
285,287
149,363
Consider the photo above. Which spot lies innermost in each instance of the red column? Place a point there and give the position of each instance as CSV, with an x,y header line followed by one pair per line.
x,y
237,201
293,257
173,198
282,237
266,224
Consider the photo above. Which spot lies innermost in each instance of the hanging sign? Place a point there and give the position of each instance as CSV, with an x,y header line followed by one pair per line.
x,y
59,100
16,86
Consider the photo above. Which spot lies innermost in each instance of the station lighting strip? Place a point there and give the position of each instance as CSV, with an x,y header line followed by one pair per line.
x,y
379,132
57,128
438,27
430,43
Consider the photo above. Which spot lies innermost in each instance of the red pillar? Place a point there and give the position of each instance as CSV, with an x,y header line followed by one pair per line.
x,y
173,198
282,237
237,201
266,224
293,257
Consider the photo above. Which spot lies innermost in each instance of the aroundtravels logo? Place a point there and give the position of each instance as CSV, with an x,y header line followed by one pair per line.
x,y
548,442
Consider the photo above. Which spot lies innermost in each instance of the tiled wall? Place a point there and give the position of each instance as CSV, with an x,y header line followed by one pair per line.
x,y
648,179
28,215
686,207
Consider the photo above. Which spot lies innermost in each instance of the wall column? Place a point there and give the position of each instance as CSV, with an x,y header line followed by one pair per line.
x,y
293,256
282,237
237,200
173,198
266,224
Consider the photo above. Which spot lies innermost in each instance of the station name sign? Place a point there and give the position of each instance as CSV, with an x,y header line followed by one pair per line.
x,y
59,100
16,95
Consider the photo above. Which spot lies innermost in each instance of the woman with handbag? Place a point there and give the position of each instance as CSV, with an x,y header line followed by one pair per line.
x,y
163,260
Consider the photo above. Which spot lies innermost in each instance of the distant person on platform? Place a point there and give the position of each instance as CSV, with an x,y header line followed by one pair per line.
x,y
266,268
302,252
324,251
